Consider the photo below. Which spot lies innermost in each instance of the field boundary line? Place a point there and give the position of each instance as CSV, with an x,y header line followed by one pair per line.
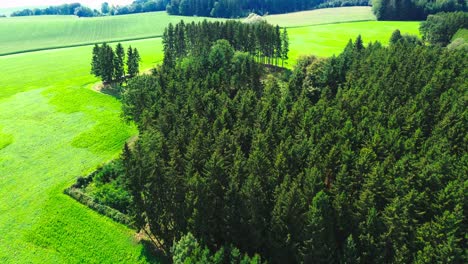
x,y
77,45
334,23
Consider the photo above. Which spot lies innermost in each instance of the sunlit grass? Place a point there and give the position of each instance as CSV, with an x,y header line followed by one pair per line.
x,y
330,39
54,129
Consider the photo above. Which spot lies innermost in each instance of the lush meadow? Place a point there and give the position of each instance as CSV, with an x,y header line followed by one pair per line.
x,y
329,39
54,127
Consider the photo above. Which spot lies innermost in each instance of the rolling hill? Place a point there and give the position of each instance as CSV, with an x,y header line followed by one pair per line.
x,y
54,127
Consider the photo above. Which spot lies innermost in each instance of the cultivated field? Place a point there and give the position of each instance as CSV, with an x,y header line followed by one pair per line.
x,y
19,34
323,16
54,127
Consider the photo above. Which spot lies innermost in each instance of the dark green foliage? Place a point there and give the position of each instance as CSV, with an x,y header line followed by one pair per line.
x,y
107,57
189,250
119,63
109,65
65,9
439,29
359,158
261,40
86,188
239,8
108,185
133,62
414,9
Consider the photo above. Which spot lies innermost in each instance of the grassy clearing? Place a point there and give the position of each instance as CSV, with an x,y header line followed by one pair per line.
x,y
462,33
61,129
326,40
323,16
33,33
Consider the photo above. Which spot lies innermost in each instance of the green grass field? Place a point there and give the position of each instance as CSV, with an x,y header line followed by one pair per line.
x,y
323,16
326,40
54,127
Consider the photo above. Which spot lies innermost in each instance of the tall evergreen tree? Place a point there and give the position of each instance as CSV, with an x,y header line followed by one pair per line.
x,y
285,48
119,63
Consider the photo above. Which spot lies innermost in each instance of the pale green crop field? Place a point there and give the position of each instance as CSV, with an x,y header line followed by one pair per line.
x,y
53,128
19,34
323,16
330,39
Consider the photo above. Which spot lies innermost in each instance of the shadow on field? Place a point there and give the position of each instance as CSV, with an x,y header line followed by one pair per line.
x,y
151,254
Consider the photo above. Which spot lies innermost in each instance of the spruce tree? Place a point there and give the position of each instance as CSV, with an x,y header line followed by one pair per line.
x,y
96,61
285,48
119,71
107,63
133,62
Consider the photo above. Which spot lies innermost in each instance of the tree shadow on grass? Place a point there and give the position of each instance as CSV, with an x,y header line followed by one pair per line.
x,y
152,254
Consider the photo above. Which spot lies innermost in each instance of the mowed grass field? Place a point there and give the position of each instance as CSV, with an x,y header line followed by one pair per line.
x,y
327,40
54,127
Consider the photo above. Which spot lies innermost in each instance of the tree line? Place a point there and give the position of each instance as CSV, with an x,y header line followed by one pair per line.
x,y
240,8
439,29
66,9
207,8
414,9
266,43
358,158
109,65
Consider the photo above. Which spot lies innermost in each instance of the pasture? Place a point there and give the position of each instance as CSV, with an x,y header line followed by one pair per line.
x,y
327,40
54,127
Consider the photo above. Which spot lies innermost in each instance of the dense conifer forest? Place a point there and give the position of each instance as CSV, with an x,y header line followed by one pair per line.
x,y
358,158
414,9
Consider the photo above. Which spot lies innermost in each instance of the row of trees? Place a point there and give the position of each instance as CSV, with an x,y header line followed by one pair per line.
x,y
208,8
439,29
138,6
109,65
239,8
359,158
77,9
266,43
414,9
66,9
